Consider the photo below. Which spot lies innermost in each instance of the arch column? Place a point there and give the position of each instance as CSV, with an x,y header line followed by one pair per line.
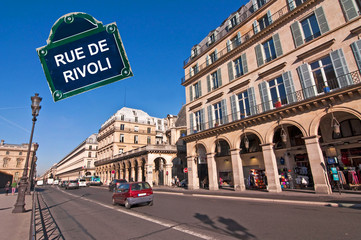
x,y
168,175
193,181
270,163
317,164
132,173
139,173
237,167
212,172
126,177
149,173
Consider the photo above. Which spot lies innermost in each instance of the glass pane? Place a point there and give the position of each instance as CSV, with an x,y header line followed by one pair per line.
x,y
331,77
314,26
356,127
346,129
274,95
282,92
306,30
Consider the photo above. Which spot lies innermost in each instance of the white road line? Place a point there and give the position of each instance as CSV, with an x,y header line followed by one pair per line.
x,y
168,224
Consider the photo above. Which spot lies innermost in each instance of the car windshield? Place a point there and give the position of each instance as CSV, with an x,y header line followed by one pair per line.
x,y
140,186
73,181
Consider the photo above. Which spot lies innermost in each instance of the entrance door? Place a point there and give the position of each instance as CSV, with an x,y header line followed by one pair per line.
x,y
203,175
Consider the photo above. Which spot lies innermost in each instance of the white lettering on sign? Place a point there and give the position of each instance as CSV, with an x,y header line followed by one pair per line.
x,y
78,54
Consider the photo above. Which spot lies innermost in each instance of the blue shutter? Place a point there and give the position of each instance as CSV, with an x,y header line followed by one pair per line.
x,y
297,34
269,16
356,48
209,83
190,93
307,81
252,101
244,63
230,71
259,55
224,111
291,4
277,42
322,21
219,76
289,87
234,108
191,123
349,9
202,123
341,70
210,116
266,101
255,27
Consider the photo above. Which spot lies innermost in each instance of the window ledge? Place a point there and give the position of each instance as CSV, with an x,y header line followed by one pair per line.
x,y
316,49
195,106
272,70
356,30
214,97
240,85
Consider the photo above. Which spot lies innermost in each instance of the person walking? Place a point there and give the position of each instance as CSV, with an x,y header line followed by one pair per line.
x,y
7,186
13,187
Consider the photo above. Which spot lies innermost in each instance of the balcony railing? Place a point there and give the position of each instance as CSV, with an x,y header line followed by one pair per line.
x,y
236,42
298,96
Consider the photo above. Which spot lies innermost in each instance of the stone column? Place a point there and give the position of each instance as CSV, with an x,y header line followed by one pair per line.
x,y
270,163
139,174
193,181
132,173
237,167
149,173
317,163
126,177
168,177
212,172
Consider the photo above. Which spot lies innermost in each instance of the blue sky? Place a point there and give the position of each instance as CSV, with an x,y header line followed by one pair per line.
x,y
157,36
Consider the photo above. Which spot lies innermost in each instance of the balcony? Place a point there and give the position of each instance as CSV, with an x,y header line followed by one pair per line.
x,y
235,43
330,87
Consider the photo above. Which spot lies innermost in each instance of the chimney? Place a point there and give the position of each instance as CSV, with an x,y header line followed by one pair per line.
x,y
2,142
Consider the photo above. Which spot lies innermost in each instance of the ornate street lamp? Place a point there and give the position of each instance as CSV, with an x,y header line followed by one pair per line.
x,y
31,177
335,125
20,201
246,142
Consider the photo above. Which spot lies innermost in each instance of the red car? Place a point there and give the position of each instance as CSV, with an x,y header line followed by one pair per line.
x,y
130,194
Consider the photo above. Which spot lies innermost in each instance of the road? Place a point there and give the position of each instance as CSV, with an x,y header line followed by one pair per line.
x,y
87,213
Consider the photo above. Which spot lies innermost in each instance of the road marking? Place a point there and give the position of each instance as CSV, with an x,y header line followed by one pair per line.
x,y
168,224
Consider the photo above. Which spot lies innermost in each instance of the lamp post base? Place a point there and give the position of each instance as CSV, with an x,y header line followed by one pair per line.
x,y
19,206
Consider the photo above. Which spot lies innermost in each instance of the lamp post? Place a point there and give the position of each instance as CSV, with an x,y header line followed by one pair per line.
x,y
30,180
19,206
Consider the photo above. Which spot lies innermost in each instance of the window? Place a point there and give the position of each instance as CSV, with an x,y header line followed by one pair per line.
x,y
310,28
18,162
148,140
121,150
88,164
136,139
121,126
148,121
277,90
324,74
197,90
213,56
20,153
211,39
89,154
122,117
269,50
238,67
292,4
233,22
214,82
349,128
148,130
243,104
136,128
7,152
5,162
236,41
136,119
121,138
199,117
264,22
90,147
194,69
351,8
194,52
218,113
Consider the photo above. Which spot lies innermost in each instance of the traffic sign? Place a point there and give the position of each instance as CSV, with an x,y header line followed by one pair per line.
x,y
82,54
185,170
113,171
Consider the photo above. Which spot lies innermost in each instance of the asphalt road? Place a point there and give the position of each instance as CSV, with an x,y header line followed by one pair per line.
x,y
87,213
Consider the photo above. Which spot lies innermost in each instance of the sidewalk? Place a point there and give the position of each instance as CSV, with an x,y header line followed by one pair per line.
x,y
350,199
14,225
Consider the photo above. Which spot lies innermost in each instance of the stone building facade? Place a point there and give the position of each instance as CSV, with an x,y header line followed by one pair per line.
x,y
273,97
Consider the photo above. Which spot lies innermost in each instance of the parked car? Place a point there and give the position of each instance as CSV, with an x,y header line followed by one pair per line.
x,y
130,194
116,183
82,183
72,184
63,183
56,182
40,182
183,183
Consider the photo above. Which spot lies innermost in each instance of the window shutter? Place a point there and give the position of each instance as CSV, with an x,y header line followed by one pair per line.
x,y
296,33
230,71
192,53
356,48
190,93
209,83
219,76
255,27
307,81
203,125
341,70
252,101
255,5
210,116
234,108
277,42
191,123
291,4
349,9
215,54
269,15
197,67
224,111
237,18
263,90
228,46
190,72
239,38
289,87
207,60
244,63
259,55
199,89
322,21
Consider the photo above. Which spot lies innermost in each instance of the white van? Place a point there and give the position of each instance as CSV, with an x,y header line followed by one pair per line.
x,y
40,183
82,182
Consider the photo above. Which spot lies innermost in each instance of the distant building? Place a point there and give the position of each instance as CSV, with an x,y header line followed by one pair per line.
x,y
79,162
273,97
12,161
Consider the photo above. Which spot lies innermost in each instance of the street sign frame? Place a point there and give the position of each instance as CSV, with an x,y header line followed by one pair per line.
x,y
75,28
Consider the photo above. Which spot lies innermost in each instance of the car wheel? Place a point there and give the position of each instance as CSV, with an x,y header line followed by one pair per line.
x,y
113,200
127,204
150,203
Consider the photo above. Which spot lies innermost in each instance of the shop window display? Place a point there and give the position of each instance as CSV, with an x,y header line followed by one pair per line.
x,y
257,179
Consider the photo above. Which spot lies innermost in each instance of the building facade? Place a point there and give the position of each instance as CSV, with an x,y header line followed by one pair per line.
x,y
79,162
273,97
12,161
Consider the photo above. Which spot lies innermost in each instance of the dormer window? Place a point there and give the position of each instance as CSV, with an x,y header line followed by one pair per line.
x,y
211,39
195,51
233,22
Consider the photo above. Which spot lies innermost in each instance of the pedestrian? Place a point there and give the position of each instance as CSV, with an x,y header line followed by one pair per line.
x,y
13,187
7,186
220,181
